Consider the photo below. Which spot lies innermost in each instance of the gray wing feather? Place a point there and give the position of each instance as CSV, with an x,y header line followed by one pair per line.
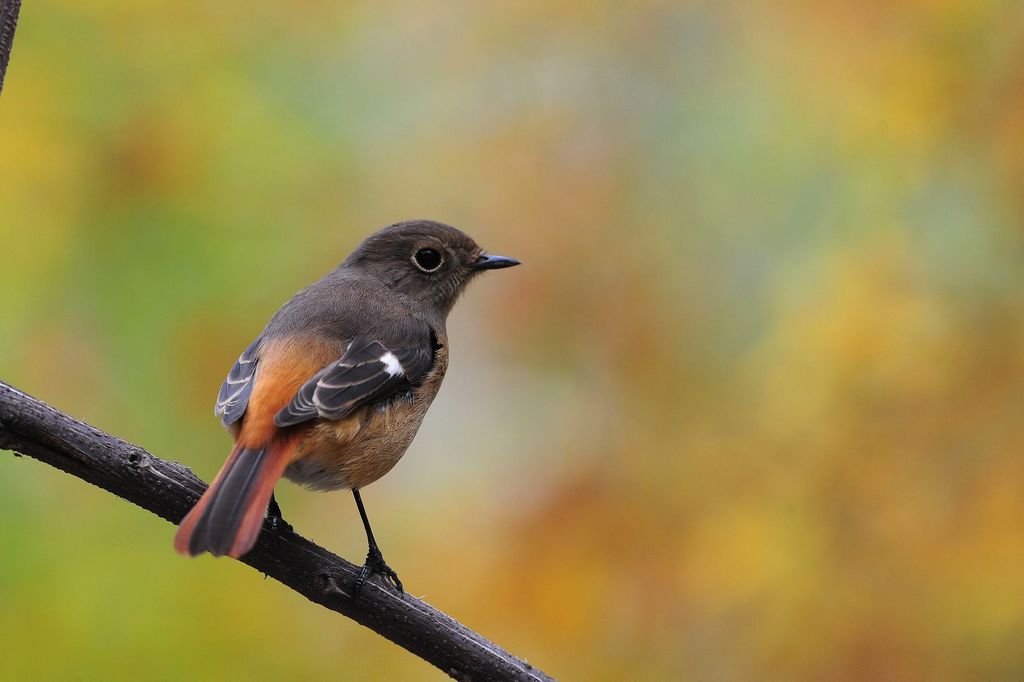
x,y
367,372
237,387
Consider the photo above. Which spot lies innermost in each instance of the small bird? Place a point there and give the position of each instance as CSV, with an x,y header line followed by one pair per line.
x,y
333,390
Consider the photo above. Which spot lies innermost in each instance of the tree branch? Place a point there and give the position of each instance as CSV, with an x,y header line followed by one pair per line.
x,y
169,490
8,22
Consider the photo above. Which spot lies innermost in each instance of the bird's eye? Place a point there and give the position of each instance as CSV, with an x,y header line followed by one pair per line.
x,y
427,260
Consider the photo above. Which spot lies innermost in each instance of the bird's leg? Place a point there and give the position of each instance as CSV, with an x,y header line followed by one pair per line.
x,y
374,559
277,521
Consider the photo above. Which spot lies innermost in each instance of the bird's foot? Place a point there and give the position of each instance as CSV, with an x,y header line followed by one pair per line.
x,y
375,564
277,521
279,525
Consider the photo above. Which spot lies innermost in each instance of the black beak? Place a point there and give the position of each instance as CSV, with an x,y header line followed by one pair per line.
x,y
488,262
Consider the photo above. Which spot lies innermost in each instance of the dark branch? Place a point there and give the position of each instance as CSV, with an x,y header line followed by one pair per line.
x,y
169,490
8,22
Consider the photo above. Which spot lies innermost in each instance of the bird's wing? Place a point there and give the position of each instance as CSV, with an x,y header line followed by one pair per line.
x,y
237,387
369,371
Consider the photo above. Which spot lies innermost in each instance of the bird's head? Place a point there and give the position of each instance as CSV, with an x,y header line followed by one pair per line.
x,y
428,262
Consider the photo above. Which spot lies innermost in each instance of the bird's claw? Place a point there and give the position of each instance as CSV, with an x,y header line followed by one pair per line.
x,y
277,522
375,564
279,525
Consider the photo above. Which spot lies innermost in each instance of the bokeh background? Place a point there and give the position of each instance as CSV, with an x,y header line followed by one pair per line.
x,y
753,408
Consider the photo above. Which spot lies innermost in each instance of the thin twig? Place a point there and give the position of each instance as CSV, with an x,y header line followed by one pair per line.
x,y
8,22
169,489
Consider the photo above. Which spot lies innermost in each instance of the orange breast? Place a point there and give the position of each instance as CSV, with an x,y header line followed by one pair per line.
x,y
284,366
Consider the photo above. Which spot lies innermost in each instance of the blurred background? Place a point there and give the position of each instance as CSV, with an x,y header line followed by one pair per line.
x,y
752,408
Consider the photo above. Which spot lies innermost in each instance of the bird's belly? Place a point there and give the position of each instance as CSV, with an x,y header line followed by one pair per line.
x,y
355,451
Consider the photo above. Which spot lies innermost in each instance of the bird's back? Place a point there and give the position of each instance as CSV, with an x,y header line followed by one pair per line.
x,y
343,306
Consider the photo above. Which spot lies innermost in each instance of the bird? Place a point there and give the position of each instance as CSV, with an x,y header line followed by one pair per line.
x,y
333,390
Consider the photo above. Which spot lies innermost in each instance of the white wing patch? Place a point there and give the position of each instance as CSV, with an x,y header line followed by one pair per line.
x,y
391,364
366,374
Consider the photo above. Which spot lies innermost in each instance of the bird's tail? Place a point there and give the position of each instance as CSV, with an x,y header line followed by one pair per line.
x,y
228,517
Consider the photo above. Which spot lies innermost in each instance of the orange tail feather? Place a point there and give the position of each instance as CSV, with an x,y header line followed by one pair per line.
x,y
228,517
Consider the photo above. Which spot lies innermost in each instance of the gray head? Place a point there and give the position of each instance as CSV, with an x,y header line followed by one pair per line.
x,y
429,262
